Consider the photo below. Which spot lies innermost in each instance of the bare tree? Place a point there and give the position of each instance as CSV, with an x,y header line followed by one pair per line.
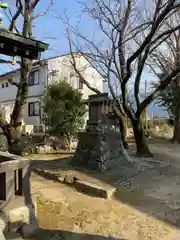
x,y
130,34
79,72
12,129
162,63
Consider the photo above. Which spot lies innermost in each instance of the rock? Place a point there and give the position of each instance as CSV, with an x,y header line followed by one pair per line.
x,y
95,190
69,179
28,230
61,179
23,213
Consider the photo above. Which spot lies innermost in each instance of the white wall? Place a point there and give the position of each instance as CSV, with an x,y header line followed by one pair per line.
x,y
66,70
31,120
63,65
7,108
91,75
8,95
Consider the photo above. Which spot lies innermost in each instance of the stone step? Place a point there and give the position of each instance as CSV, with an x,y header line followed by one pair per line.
x,y
98,189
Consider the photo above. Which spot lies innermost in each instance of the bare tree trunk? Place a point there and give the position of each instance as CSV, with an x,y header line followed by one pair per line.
x,y
14,131
176,133
140,139
123,128
13,139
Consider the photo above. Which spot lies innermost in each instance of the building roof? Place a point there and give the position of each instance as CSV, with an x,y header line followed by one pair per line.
x,y
40,62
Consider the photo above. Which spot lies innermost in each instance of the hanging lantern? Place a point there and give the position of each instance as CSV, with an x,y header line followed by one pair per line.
x,y
12,44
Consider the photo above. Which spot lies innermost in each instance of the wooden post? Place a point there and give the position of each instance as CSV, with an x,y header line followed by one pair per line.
x,y
23,178
7,186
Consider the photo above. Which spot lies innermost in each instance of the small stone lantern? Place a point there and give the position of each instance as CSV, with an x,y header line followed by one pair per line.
x,y
99,146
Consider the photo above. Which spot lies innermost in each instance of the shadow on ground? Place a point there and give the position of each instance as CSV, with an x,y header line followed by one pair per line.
x,y
65,235
19,201
148,189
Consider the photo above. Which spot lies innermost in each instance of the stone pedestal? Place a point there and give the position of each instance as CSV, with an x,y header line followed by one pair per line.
x,y
97,150
99,147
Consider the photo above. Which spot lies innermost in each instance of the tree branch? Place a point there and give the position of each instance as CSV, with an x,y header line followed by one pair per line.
x,y
13,83
140,67
18,12
121,38
73,63
33,4
147,40
45,11
164,83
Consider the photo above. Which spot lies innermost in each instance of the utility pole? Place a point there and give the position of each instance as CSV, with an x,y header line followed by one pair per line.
x,y
145,89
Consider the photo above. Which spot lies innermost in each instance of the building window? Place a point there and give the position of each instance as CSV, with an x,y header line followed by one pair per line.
x,y
34,78
80,83
33,109
71,74
7,84
2,85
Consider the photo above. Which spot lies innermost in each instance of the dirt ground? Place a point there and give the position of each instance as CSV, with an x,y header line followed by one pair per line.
x,y
145,206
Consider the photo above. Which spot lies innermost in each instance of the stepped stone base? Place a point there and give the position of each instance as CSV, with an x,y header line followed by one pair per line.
x,y
98,151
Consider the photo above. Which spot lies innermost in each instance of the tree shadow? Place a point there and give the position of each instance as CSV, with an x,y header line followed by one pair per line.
x,y
135,187
46,234
131,185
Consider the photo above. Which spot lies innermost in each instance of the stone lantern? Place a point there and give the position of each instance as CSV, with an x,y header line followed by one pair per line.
x,y
99,146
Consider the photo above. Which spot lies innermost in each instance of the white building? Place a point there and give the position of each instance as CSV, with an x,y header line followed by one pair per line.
x,y
42,74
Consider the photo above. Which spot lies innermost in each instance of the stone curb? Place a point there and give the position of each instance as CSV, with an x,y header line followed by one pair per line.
x,y
94,189
81,186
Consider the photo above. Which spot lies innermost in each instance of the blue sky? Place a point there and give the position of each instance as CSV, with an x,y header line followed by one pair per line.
x,y
50,28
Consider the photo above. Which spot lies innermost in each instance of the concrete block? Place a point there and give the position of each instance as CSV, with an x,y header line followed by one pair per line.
x,y
94,190
23,213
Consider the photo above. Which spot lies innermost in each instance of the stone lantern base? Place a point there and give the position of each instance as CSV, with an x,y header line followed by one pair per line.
x,y
98,151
